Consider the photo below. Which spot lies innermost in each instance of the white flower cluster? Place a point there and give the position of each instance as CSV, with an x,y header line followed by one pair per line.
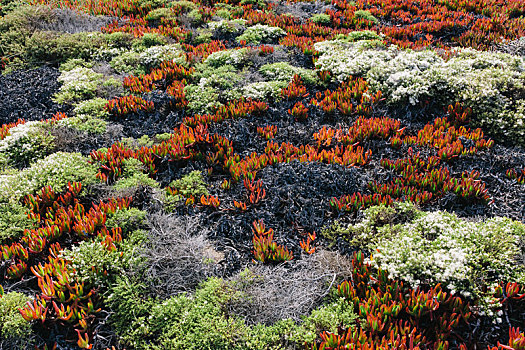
x,y
261,33
155,55
224,26
78,84
55,170
25,142
227,57
490,83
264,89
438,247
285,71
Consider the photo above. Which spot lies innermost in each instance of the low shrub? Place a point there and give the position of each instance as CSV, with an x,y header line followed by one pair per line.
x,y
261,33
13,221
25,143
490,83
56,170
425,248
13,328
321,18
285,72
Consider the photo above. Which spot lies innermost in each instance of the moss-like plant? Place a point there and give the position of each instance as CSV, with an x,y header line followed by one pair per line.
x,y
320,18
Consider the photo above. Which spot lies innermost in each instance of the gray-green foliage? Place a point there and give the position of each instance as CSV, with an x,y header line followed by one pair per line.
x,y
233,57
212,87
439,247
82,83
97,266
363,14
142,59
261,33
134,176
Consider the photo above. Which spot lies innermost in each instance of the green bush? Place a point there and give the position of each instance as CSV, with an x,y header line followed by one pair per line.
x,y
85,123
320,18
25,143
13,221
78,84
93,108
128,219
365,15
133,176
285,72
12,325
53,47
56,170
141,60
437,247
261,33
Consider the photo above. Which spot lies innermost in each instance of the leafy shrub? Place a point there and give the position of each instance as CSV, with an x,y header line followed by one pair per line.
x,y
489,83
205,319
73,63
133,176
160,13
128,220
265,90
212,87
227,27
285,72
141,61
365,15
438,247
152,39
321,18
12,325
93,108
56,170
261,33
78,84
25,143
233,57
13,221
85,123
187,186
54,47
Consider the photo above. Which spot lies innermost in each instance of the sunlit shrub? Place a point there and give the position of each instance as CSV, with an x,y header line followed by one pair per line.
x,y
260,33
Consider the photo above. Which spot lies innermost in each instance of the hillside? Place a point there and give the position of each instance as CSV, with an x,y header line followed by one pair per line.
x,y
258,174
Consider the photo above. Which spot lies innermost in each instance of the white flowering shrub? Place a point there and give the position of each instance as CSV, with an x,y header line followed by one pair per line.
x,y
228,27
346,59
78,84
490,83
141,61
265,90
438,247
25,143
56,170
285,72
261,33
234,57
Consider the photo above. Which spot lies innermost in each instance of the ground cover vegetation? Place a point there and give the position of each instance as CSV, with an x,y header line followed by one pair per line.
x,y
262,174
